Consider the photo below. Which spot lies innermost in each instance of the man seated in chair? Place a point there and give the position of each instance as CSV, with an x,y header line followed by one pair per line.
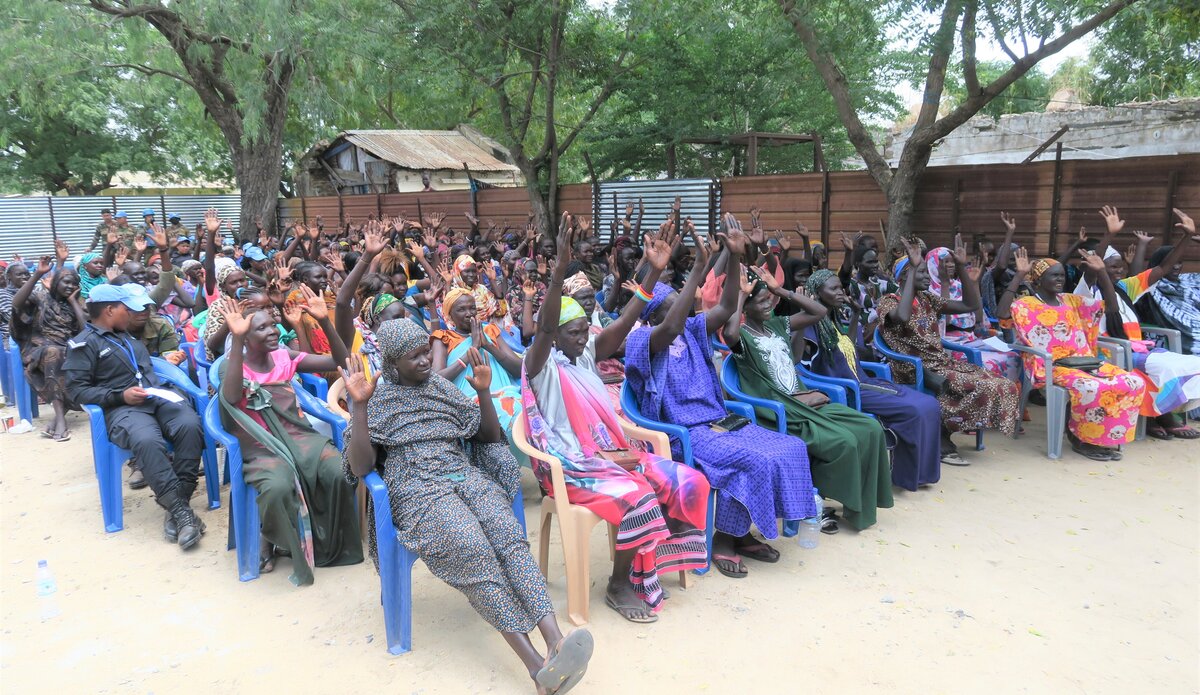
x,y
108,367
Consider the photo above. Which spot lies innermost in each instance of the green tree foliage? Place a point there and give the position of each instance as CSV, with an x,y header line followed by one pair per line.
x,y
710,69
1030,92
1150,52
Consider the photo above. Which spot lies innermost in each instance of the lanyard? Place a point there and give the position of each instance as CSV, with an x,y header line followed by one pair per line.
x,y
128,349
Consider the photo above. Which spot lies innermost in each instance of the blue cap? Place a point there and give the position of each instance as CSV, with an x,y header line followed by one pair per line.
x,y
120,213
183,238
132,295
173,216
255,254
147,211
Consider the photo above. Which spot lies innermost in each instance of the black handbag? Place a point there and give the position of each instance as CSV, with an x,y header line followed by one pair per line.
x,y
1084,363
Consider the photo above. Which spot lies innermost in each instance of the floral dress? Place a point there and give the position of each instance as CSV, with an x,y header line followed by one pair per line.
x,y
1105,403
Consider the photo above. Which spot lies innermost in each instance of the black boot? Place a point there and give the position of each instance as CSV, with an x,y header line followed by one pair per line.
x,y
170,530
186,524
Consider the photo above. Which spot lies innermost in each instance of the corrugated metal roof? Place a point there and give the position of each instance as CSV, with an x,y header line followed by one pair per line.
x,y
426,149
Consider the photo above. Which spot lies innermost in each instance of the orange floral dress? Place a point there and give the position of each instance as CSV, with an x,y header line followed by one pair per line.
x,y
1105,403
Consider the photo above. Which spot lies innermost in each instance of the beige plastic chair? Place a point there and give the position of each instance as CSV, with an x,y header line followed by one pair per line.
x,y
337,393
576,522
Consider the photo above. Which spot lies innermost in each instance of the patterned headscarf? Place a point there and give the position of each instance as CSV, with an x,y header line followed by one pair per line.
x,y
455,294
817,280
575,283
463,262
374,306
898,269
827,332
569,311
933,261
757,284
1040,266
398,337
87,281
661,292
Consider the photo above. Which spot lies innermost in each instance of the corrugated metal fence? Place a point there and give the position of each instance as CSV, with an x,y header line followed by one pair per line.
x,y
28,224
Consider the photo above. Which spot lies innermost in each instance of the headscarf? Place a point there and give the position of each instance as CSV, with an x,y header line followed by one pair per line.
x,y
933,261
756,282
575,283
87,282
486,305
789,271
398,337
455,294
569,310
463,262
1040,266
374,306
1110,252
661,292
223,274
218,309
827,332
898,269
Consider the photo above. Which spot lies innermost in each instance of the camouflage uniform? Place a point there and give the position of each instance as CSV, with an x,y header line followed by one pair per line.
x,y
100,238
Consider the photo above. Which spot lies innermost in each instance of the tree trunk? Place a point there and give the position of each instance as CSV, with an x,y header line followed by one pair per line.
x,y
901,191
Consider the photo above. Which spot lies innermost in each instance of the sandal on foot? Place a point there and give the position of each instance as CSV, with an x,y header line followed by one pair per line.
x,y
568,662
829,524
759,551
626,610
738,571
64,437
953,459
1182,432
1094,453
1157,431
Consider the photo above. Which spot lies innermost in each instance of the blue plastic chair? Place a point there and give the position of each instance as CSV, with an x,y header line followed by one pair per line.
x,y
108,458
851,388
396,563
169,372
512,336
631,410
6,378
203,368
974,356
244,525
22,392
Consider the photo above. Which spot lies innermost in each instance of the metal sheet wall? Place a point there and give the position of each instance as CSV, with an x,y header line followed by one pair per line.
x,y
28,224
700,199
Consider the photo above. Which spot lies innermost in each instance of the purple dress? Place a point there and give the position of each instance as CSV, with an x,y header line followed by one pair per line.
x,y
760,475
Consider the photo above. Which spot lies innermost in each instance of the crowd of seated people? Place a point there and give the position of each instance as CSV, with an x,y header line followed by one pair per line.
x,y
445,337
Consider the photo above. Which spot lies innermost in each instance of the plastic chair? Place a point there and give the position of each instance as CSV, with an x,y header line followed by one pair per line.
x,y
22,392
316,385
512,336
108,458
1057,399
243,499
631,410
178,377
395,566
333,399
973,356
576,522
6,387
203,368
189,349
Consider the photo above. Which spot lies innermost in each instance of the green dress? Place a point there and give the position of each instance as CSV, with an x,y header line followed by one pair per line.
x,y
846,449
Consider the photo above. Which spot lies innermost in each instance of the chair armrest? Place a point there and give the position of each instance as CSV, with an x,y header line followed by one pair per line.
x,y
213,429
1120,351
175,376
973,355
319,385
744,409
918,368
558,484
316,408
879,370
1044,356
1174,337
658,441
384,527
774,406
630,410
839,390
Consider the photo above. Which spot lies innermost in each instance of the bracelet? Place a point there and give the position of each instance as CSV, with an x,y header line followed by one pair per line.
x,y
460,363
641,294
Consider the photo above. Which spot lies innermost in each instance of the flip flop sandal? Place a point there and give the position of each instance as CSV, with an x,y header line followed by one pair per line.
x,y
953,459
829,526
47,434
569,661
759,551
732,574
1095,454
64,437
1183,432
1115,455
1160,432
621,609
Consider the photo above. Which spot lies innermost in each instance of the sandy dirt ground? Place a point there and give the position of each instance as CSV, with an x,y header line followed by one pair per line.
x,y
1014,575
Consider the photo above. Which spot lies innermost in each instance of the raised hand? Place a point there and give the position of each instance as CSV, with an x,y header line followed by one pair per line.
x,y
160,237
1092,261
631,286
801,230
566,238
416,250
529,289
282,270
112,237
583,226
358,385
293,314
1142,237
784,242
1112,218
473,220
373,241
1022,259
847,244
212,221
1009,223
959,254
1083,234
744,282
139,244
913,250
121,256
434,220
481,372
769,278
238,325
973,272
61,251
313,305
735,238
1185,222
45,263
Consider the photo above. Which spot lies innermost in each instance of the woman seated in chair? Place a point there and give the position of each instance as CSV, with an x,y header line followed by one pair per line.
x,y
760,475
971,397
451,483
611,370
913,417
306,509
658,506
970,328
847,450
1172,379
1105,400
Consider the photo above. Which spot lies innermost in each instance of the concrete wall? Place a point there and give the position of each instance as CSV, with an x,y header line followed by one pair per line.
x,y
1132,130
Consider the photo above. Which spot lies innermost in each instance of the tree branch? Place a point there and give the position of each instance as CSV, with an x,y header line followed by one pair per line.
x,y
997,34
939,59
839,88
146,70
970,64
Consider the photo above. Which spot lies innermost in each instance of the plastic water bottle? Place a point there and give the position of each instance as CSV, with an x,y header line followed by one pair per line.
x,y
46,588
810,527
